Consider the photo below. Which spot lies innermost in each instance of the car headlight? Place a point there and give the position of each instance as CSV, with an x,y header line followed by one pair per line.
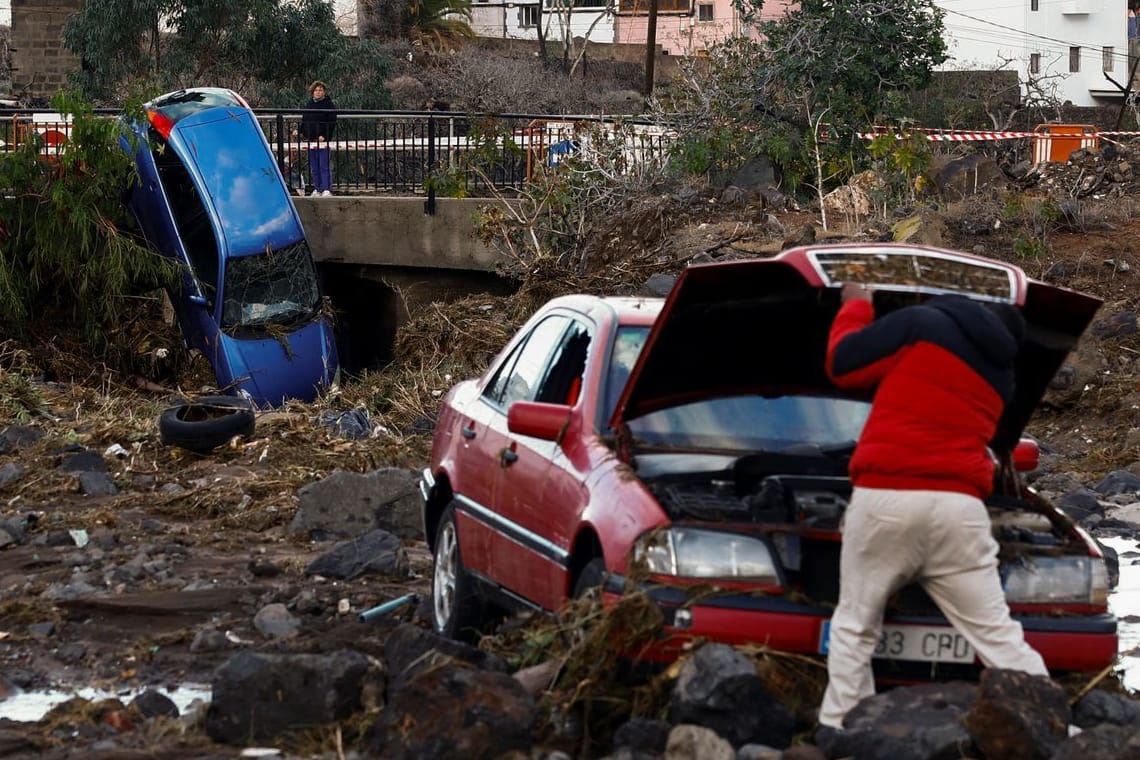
x,y
696,553
1038,580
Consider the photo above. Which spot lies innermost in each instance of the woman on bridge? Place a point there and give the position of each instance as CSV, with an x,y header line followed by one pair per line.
x,y
318,124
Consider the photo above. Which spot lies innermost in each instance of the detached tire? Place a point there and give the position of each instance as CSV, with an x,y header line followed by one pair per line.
x,y
206,423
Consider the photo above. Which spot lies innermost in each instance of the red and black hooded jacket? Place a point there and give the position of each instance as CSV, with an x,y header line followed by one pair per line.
x,y
942,373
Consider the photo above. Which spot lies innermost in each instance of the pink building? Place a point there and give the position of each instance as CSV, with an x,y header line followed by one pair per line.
x,y
688,27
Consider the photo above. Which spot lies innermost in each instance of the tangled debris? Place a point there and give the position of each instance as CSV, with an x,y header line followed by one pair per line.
x,y
1113,171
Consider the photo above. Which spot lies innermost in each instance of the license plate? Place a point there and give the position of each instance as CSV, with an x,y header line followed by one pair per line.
x,y
921,643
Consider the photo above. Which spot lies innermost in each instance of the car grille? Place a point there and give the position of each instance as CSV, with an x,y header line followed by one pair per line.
x,y
704,504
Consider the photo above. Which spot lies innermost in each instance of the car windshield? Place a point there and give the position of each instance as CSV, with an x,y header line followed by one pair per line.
x,y
274,288
737,423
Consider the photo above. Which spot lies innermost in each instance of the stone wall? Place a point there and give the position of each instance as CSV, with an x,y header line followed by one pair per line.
x,y
40,63
664,69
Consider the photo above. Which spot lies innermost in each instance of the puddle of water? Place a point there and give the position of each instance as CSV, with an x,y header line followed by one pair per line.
x,y
34,705
1124,601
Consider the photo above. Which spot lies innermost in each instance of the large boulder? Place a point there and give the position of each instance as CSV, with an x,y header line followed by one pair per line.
x,y
911,723
1100,706
410,650
718,688
962,176
348,504
261,696
454,711
377,552
1018,715
1104,742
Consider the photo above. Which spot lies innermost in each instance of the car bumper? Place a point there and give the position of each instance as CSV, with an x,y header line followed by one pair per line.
x,y
1084,643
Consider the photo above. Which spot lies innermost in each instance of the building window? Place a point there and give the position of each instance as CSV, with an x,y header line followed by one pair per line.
x,y
1034,63
528,15
1034,5
636,7
705,12
1107,55
1074,59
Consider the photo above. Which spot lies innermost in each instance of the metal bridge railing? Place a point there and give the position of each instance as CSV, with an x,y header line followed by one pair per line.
x,y
398,152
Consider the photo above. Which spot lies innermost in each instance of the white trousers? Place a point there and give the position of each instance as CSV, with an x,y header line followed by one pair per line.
x,y
942,540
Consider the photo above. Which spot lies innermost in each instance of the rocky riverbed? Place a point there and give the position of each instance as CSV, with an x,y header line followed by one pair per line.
x,y
160,602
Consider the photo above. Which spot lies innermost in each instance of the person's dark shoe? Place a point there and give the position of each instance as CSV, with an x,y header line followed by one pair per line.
x,y
832,741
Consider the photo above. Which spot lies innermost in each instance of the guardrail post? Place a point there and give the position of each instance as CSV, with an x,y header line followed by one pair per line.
x,y
281,142
429,204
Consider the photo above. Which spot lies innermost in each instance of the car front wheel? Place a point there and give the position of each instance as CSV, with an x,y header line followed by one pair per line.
x,y
591,578
457,611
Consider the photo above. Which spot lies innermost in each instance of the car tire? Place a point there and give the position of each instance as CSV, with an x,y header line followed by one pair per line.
x,y
206,423
457,610
591,578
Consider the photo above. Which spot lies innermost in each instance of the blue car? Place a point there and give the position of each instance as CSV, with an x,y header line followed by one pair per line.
x,y
211,197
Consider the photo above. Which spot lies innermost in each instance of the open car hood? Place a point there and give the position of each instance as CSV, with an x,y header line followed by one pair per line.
x,y
761,325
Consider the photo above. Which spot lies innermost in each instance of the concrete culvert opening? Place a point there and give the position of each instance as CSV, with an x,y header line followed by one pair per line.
x,y
371,303
367,314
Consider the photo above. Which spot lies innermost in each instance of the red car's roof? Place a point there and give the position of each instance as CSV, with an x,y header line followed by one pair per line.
x,y
636,311
633,311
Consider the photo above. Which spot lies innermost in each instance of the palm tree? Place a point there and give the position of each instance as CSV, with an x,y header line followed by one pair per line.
x,y
438,20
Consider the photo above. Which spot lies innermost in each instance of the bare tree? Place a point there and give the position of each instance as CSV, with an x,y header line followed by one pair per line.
x,y
574,49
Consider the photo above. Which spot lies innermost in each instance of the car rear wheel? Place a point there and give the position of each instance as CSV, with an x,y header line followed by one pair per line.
x,y
457,611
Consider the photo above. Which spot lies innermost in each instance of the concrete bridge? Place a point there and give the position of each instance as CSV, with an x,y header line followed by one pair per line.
x,y
381,258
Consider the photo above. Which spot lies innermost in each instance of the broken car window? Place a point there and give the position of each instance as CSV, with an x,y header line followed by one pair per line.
x,y
273,288
519,375
564,379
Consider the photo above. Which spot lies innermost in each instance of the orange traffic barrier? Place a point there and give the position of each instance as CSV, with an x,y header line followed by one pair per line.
x,y
1056,142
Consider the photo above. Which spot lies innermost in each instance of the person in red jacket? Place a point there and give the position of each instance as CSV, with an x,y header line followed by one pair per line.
x,y
942,372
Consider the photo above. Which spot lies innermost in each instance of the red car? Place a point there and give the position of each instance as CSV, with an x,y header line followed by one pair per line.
x,y
699,440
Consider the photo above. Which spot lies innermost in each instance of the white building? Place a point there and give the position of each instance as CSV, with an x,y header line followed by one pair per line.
x,y
1065,47
519,20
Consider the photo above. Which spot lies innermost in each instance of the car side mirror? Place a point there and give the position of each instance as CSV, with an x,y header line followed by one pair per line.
x,y
538,420
1026,455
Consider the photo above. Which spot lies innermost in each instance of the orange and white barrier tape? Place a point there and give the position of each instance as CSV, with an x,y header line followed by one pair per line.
x,y
981,135
956,136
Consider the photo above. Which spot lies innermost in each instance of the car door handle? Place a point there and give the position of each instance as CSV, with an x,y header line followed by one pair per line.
x,y
468,432
508,457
